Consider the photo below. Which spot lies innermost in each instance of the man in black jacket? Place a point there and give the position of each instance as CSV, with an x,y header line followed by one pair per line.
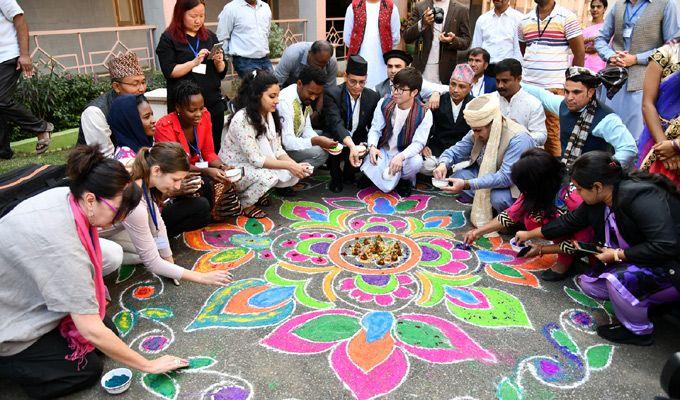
x,y
348,112
448,125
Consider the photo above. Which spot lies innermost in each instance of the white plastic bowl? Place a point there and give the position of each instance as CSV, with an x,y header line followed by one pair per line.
x,y
234,175
440,183
336,150
386,174
120,388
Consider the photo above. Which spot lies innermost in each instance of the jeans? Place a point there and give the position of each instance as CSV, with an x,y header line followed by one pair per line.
x,y
244,65
10,110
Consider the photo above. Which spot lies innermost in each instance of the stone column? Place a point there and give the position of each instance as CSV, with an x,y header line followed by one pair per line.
x,y
159,13
314,11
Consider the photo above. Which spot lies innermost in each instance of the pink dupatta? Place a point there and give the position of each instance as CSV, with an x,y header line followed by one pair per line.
x,y
90,239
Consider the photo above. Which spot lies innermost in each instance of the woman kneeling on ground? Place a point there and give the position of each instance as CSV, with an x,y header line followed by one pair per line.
x,y
157,170
53,298
133,127
253,142
190,126
538,175
637,218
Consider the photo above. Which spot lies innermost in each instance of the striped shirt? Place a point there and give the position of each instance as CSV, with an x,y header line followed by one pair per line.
x,y
547,51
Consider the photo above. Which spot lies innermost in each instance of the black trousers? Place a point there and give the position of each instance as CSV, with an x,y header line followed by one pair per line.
x,y
43,372
10,110
186,213
217,119
337,173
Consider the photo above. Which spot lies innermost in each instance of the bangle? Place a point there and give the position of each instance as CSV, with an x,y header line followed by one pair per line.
x,y
676,147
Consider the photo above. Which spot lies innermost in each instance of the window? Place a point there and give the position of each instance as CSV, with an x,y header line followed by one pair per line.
x,y
128,12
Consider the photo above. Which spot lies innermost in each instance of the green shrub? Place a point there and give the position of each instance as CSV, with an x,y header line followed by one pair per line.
x,y
61,98
276,45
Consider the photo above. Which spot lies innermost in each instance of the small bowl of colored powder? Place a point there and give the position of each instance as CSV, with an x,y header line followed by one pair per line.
x,y
117,380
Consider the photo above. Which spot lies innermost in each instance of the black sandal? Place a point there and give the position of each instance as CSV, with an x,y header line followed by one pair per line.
x,y
253,212
264,201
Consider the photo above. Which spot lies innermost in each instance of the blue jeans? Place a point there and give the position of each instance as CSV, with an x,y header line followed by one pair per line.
x,y
243,65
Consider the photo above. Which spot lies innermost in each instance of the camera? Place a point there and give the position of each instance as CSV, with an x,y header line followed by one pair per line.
x,y
438,15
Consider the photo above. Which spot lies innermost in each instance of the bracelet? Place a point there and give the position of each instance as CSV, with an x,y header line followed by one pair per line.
x,y
676,147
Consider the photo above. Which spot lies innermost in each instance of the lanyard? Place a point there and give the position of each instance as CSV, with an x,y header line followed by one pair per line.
x,y
149,204
350,112
196,49
629,21
196,148
481,88
538,24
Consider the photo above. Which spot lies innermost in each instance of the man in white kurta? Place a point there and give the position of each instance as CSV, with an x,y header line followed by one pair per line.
x,y
299,139
371,48
399,131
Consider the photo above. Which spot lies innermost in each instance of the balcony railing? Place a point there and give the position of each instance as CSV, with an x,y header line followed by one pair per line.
x,y
334,34
86,51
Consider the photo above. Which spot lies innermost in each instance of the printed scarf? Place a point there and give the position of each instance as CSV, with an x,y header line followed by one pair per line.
x,y
384,25
299,117
90,239
415,117
579,135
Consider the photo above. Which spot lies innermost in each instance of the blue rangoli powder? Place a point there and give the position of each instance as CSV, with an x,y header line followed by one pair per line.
x,y
116,381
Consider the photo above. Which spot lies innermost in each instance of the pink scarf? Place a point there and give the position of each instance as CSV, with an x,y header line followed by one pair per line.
x,y
90,239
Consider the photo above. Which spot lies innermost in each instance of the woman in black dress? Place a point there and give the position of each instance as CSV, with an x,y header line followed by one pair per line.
x,y
183,52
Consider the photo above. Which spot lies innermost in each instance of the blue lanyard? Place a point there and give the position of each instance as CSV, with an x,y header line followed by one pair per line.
x,y
149,204
196,148
198,44
350,111
629,21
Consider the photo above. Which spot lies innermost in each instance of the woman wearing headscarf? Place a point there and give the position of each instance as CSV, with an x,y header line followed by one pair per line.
x,y
132,125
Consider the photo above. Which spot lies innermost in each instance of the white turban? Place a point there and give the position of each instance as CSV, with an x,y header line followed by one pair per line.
x,y
480,112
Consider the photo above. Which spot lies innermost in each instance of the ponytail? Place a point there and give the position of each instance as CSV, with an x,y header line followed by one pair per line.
x,y
169,156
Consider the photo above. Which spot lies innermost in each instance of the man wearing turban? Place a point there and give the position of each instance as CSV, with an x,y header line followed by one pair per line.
x,y
127,77
491,148
585,123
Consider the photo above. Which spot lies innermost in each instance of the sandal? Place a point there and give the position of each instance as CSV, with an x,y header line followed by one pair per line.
x,y
253,212
44,144
226,202
264,201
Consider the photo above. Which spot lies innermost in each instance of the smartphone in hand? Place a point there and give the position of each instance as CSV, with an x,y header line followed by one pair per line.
x,y
216,47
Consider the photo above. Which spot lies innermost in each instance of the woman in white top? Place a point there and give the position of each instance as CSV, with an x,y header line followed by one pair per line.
x,y
157,170
253,142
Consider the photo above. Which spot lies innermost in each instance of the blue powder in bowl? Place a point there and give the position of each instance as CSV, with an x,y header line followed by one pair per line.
x,y
116,380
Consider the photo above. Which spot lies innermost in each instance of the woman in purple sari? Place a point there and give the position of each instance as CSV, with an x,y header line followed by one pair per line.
x,y
659,144
640,256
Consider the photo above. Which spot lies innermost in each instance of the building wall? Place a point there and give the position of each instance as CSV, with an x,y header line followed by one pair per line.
x,y
68,14
45,15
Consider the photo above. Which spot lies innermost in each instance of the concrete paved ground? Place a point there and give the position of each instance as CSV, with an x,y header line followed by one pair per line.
x,y
306,319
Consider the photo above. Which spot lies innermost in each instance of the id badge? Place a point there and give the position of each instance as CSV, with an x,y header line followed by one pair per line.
x,y
202,164
162,243
199,69
627,32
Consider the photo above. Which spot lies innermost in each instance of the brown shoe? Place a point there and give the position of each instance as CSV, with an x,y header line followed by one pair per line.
x,y
44,144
